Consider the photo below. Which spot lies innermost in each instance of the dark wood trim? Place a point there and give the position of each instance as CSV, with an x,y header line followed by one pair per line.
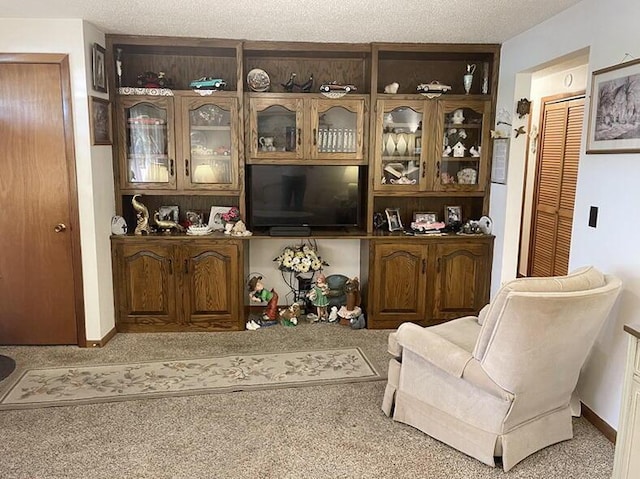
x,y
633,329
90,343
62,60
599,423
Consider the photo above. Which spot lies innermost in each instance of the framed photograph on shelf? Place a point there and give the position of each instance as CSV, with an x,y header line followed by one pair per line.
x,y
614,125
169,213
215,217
452,214
99,74
425,217
100,121
393,219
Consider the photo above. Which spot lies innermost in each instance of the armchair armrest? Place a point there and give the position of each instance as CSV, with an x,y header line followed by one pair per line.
x,y
433,348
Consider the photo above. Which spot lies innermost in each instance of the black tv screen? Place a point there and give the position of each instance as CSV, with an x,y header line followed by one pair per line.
x,y
304,195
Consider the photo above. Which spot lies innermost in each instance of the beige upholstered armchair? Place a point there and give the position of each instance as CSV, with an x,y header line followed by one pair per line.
x,y
501,384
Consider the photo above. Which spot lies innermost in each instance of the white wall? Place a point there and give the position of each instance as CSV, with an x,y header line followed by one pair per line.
x,y
93,164
608,30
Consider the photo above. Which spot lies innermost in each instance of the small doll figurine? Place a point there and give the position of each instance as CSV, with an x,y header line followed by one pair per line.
x,y
318,296
259,294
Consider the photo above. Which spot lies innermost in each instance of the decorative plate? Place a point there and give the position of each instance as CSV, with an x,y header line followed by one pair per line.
x,y
258,80
486,225
118,225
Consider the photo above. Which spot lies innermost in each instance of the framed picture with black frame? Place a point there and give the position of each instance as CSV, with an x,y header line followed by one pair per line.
x,y
99,74
100,121
613,117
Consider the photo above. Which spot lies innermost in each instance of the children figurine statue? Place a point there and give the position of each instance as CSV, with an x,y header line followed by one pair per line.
x,y
318,296
259,294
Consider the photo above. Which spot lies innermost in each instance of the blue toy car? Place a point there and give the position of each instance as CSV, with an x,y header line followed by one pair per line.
x,y
208,83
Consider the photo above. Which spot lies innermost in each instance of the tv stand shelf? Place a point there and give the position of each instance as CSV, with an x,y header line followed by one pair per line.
x,y
195,150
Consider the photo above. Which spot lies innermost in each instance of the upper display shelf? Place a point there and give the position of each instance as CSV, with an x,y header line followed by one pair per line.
x,y
300,67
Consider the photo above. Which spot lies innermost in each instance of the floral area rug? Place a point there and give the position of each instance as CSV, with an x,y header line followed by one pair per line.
x,y
119,382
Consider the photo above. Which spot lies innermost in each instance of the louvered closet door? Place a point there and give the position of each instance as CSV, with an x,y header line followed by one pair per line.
x,y
555,193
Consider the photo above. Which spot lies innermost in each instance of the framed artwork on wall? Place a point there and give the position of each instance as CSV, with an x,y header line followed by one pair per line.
x,y
614,110
100,121
99,74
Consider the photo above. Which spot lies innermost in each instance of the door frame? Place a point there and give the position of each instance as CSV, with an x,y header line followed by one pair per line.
x,y
62,60
550,99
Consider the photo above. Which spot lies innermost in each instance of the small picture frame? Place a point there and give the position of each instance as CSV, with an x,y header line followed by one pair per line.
x,y
99,74
169,213
393,219
100,121
215,217
425,217
452,214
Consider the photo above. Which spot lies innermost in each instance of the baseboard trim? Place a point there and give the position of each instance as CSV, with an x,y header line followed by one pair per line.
x,y
599,423
91,343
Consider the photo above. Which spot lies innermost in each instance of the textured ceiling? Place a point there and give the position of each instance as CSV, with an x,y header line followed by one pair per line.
x,y
358,21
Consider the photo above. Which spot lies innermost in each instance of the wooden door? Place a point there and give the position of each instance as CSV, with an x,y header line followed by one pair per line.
x,y
210,283
461,284
337,129
40,267
555,187
398,291
144,286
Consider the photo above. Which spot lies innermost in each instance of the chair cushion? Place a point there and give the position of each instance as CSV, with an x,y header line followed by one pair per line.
x,y
582,279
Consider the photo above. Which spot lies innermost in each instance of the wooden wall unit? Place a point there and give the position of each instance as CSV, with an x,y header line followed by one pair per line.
x,y
172,282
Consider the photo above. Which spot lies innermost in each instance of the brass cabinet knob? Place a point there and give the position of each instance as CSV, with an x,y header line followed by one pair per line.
x,y
60,227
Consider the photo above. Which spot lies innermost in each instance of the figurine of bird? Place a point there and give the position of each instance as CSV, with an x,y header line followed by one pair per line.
x,y
307,86
290,83
142,215
519,131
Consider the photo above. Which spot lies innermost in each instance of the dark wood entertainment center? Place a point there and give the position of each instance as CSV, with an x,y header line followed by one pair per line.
x,y
192,149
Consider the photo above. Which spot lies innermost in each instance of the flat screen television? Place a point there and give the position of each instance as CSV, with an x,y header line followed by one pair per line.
x,y
315,196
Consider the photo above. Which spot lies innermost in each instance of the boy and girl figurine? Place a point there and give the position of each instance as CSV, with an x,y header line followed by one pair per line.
x,y
319,296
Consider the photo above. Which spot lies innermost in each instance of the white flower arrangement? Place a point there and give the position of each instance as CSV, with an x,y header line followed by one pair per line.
x,y
300,259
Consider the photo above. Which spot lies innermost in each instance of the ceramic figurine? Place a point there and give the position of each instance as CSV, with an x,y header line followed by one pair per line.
x,y
290,83
142,215
392,88
289,316
258,294
167,225
307,86
318,297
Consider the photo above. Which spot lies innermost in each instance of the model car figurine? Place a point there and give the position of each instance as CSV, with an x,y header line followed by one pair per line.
x,y
434,88
335,86
208,83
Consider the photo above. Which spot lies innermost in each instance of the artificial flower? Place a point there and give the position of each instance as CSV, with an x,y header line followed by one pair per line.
x,y
300,259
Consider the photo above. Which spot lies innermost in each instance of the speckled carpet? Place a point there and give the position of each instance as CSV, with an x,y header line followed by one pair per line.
x,y
119,382
316,432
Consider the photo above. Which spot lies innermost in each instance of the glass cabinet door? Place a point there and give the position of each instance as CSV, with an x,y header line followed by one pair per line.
x,y
148,161
463,130
399,145
337,128
276,128
210,143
